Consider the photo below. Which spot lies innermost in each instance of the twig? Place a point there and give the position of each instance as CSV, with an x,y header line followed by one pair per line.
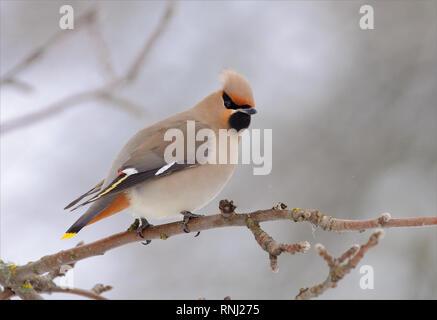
x,y
135,67
100,288
338,269
122,103
45,284
20,84
105,92
31,289
70,101
80,292
225,298
10,76
6,294
101,47
48,111
273,248
27,292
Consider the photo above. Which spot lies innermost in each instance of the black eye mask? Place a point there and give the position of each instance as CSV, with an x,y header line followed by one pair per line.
x,y
229,104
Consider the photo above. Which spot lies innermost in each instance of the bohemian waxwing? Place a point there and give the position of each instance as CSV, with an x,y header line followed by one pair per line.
x,y
140,177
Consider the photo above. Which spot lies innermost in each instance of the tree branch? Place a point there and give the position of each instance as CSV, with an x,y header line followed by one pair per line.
x,y
6,294
338,269
88,18
273,248
15,276
79,292
135,67
105,92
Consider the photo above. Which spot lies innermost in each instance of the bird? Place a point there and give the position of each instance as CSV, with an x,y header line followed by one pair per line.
x,y
141,178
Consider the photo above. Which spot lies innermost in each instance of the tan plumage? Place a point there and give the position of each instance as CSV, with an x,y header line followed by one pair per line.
x,y
184,186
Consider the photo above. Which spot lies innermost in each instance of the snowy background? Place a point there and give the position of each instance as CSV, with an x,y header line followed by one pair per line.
x,y
353,115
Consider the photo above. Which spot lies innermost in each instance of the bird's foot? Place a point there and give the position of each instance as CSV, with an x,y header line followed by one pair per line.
x,y
139,226
187,217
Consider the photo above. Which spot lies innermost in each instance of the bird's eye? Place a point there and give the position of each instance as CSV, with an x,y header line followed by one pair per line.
x,y
227,101
229,104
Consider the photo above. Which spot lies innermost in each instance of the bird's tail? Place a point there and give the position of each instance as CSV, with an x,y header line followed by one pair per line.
x,y
100,209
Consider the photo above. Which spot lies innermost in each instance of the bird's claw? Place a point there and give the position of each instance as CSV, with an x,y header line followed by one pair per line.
x,y
187,217
143,225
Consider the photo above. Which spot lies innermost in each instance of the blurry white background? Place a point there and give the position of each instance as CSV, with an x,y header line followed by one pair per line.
x,y
353,115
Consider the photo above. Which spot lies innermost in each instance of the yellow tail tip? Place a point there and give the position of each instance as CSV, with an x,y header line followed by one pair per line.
x,y
68,235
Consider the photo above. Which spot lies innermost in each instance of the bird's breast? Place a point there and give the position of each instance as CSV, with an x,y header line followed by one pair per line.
x,y
188,189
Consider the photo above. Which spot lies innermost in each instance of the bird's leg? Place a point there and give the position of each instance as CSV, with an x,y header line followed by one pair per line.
x,y
187,216
139,226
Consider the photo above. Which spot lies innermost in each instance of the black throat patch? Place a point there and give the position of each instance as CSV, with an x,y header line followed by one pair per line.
x,y
239,120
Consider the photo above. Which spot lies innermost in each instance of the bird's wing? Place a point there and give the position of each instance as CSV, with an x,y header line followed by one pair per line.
x,y
95,189
131,177
143,158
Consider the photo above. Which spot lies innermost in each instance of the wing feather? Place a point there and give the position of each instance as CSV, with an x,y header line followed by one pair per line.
x,y
125,181
144,153
95,189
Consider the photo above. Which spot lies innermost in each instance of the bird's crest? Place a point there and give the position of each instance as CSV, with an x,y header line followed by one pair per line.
x,y
237,87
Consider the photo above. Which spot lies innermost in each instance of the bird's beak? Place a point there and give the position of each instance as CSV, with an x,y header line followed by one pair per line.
x,y
249,111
